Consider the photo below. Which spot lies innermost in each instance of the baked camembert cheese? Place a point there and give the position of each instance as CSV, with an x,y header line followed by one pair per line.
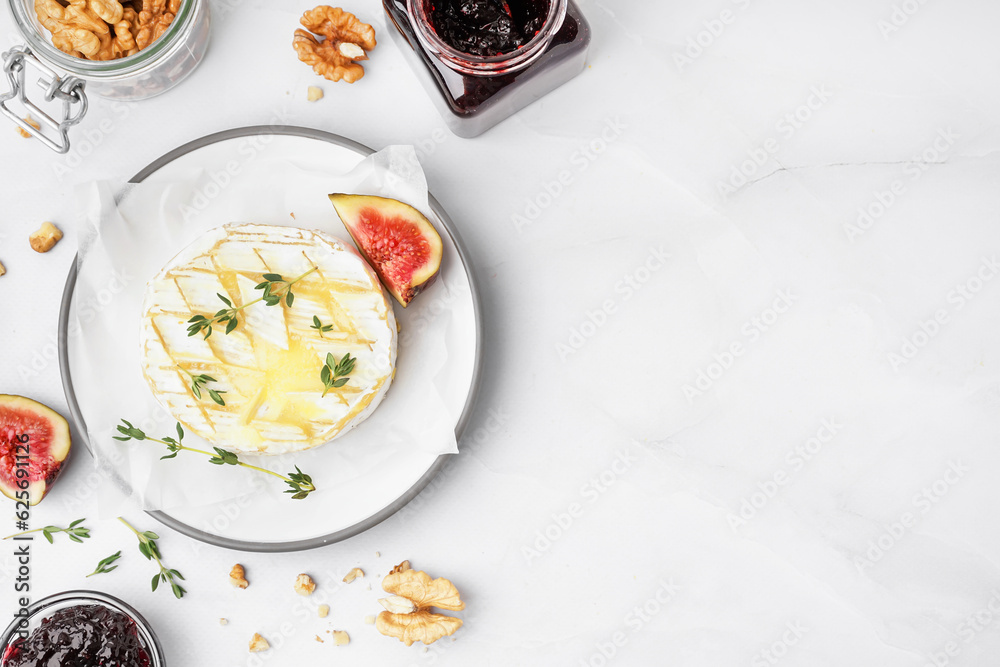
x,y
269,366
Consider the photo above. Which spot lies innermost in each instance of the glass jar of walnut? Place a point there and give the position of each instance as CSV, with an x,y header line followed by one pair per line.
x,y
121,49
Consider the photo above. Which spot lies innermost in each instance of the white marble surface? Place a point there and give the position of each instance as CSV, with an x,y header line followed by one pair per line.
x,y
732,413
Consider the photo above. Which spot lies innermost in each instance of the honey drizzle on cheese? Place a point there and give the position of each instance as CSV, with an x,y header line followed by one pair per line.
x,y
279,373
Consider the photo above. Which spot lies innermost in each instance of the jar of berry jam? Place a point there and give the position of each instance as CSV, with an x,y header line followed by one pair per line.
x,y
80,629
485,60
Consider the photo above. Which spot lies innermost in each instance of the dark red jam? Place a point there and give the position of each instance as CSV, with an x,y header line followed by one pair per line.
x,y
487,27
81,636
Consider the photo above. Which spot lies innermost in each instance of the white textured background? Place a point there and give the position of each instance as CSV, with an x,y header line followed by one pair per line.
x,y
809,500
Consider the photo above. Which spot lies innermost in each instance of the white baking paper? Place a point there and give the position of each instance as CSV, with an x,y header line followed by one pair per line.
x,y
125,244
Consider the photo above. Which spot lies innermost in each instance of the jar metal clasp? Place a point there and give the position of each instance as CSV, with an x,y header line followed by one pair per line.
x,y
69,90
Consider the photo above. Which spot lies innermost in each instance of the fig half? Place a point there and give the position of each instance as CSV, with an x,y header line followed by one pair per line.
x,y
397,240
34,439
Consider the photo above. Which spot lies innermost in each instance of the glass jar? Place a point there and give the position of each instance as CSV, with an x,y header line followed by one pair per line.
x,y
23,626
68,79
474,93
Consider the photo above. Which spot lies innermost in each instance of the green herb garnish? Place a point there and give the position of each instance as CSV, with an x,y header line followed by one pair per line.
x,y
75,531
334,373
149,549
199,382
320,327
301,483
102,567
275,287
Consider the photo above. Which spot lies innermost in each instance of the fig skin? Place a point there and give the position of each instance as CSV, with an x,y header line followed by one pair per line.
x,y
407,253
54,452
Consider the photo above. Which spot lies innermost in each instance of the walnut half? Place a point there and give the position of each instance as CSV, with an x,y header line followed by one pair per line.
x,y
346,41
409,617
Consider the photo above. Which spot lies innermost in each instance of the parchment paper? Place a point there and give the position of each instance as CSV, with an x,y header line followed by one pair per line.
x,y
125,244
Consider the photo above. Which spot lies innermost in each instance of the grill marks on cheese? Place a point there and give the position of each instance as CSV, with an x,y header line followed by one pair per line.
x,y
270,364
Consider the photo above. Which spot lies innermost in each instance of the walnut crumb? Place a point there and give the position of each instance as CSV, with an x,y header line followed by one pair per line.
x,y
378,554
369,620
223,621
258,644
238,576
314,94
2,269
341,638
304,585
45,238
323,611
353,574
33,123
319,640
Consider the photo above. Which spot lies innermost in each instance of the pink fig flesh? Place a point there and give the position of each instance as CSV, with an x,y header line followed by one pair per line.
x,y
397,240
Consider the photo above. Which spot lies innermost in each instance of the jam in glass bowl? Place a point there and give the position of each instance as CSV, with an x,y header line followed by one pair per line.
x,y
80,629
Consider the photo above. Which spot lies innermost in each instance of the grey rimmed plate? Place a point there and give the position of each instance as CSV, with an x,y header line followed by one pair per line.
x,y
213,153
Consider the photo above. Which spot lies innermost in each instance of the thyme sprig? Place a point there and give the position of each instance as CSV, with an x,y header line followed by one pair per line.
x,y
103,565
275,288
74,531
320,327
301,484
149,549
199,382
334,373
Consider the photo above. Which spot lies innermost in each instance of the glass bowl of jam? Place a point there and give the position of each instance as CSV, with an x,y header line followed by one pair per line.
x,y
80,629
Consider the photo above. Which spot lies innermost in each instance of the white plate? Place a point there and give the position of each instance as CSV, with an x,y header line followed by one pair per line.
x,y
256,523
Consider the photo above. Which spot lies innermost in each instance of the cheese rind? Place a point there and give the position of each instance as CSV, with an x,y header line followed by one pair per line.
x,y
269,366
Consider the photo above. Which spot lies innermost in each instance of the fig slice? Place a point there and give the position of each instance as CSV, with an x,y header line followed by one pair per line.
x,y
397,240
34,438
